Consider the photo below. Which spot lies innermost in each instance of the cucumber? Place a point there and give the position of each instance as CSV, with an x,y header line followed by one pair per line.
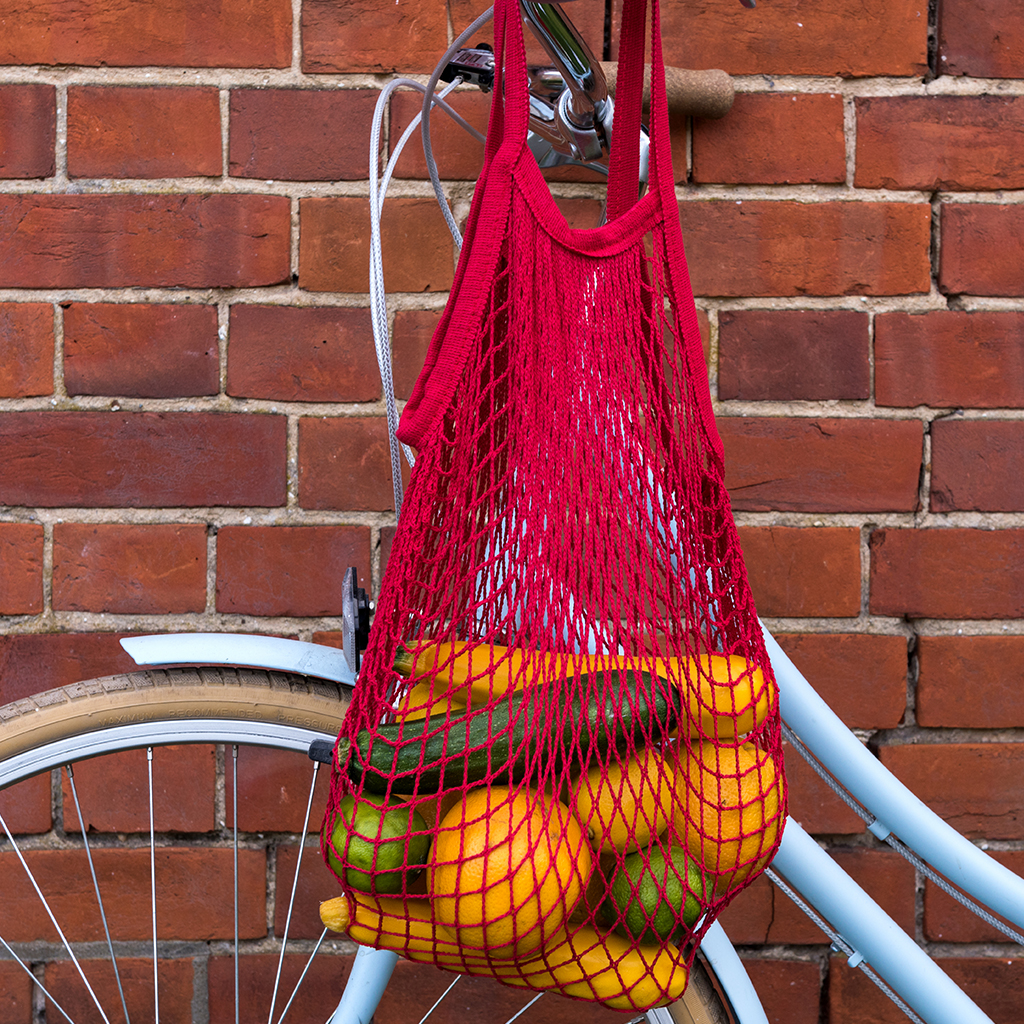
x,y
567,722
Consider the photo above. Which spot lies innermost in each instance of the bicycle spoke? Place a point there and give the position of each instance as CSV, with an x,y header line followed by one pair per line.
x,y
295,885
152,886
443,997
96,888
516,1016
35,981
302,976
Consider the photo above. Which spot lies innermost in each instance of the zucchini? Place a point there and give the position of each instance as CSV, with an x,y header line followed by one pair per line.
x,y
569,722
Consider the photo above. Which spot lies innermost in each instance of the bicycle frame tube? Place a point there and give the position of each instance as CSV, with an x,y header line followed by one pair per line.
x,y
896,808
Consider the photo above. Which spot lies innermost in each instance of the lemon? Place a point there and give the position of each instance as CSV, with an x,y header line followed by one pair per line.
x,y
651,892
375,846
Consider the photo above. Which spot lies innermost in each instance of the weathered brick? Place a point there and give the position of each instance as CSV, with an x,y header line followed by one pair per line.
x,y
26,349
947,920
288,570
113,791
982,249
143,132
345,463
822,465
789,990
334,245
136,979
771,138
410,339
589,20
458,155
100,459
940,142
97,241
853,998
759,247
803,572
21,568
193,885
26,807
316,883
786,355
981,38
15,994
976,465
302,354
797,37
28,128
34,662
950,358
293,134
409,37
949,573
814,803
140,351
129,569
863,678
970,682
182,33
273,787
973,786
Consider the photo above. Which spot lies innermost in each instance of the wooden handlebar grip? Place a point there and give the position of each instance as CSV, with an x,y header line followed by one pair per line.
x,y
697,93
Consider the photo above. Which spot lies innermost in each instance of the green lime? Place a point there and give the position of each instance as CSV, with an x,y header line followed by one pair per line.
x,y
647,899
374,845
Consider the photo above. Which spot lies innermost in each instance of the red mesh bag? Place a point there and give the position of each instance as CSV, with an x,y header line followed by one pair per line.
x,y
563,756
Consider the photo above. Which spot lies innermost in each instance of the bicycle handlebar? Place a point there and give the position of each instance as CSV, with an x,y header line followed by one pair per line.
x,y
694,93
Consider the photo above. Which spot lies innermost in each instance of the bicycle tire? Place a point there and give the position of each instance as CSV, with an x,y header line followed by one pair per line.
x,y
204,704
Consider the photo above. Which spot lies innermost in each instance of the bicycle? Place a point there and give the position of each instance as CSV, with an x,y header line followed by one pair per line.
x,y
300,691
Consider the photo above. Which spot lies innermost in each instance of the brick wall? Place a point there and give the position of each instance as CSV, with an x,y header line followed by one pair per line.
x,y
193,436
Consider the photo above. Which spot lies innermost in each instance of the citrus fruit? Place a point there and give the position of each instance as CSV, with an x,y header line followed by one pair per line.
x,y
506,870
654,896
729,807
625,806
375,846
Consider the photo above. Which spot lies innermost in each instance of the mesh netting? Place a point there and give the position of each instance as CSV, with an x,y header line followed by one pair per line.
x,y
563,757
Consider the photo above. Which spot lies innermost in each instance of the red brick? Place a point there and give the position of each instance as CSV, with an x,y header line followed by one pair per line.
x,y
193,887
34,662
947,573
970,682
982,249
981,38
96,241
410,339
15,994
322,986
26,349
773,139
822,465
176,33
863,678
316,884
293,134
21,569
973,786
939,142
345,463
26,806
814,803
947,920
950,358
334,245
273,788
786,355
790,990
588,20
140,351
975,465
799,37
372,36
28,127
288,570
759,247
853,998
302,354
803,572
459,156
113,791
129,569
176,987
105,460
143,132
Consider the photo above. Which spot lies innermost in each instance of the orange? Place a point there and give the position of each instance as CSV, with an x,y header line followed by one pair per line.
x,y
506,870
729,807
625,805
